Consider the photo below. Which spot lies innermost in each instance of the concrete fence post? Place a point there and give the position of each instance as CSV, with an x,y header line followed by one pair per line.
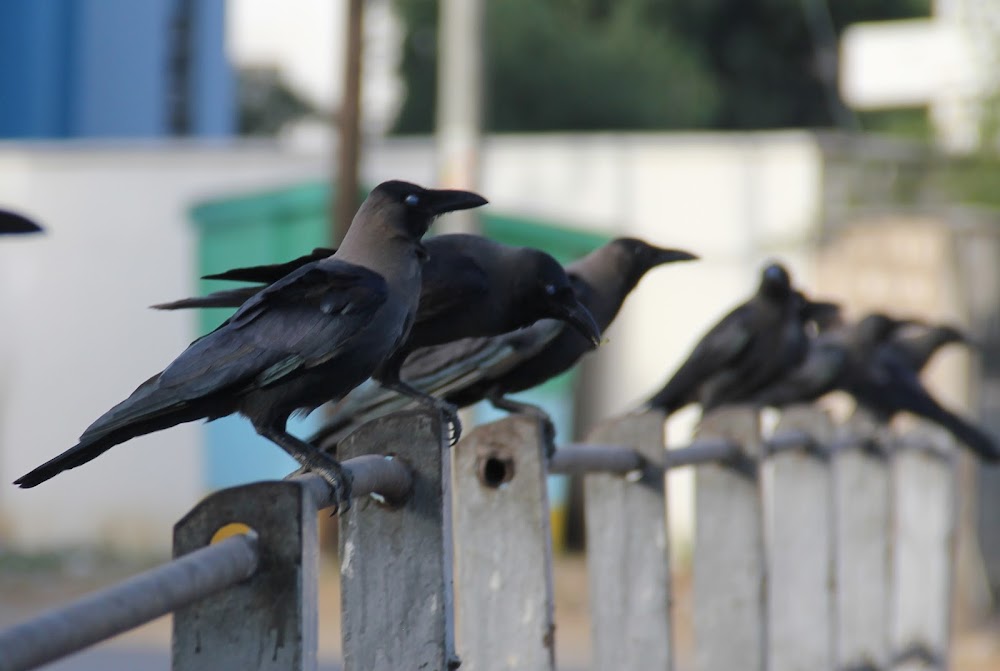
x,y
924,519
268,622
799,531
862,545
628,554
396,561
728,611
503,548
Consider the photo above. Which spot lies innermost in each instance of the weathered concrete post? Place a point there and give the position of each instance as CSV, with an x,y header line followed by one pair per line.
x,y
268,622
729,613
799,524
396,562
503,548
628,555
862,546
925,514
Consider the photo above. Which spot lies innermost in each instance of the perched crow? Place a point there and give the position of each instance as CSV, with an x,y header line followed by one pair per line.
x,y
756,343
919,342
471,287
835,357
467,371
890,383
309,338
866,360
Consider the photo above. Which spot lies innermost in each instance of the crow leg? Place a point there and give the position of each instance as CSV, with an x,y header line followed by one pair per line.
x,y
316,461
389,378
501,402
449,409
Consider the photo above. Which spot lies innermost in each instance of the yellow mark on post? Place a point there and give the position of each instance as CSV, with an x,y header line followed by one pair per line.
x,y
231,529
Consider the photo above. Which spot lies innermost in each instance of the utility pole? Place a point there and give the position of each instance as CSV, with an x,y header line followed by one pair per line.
x,y
344,186
459,103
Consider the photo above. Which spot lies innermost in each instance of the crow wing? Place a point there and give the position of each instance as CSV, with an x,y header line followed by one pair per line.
x,y
297,323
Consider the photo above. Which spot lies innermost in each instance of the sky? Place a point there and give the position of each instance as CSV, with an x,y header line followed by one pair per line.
x,y
305,40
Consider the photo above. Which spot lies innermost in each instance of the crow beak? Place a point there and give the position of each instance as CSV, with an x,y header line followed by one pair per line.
x,y
673,255
576,315
969,341
440,201
14,223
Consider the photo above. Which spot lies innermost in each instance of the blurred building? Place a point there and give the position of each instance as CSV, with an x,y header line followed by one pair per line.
x,y
114,68
947,63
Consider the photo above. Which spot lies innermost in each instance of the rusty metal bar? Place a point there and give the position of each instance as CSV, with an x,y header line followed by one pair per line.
x,y
798,439
135,601
348,120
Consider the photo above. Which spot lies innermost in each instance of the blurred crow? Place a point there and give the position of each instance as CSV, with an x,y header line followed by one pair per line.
x,y
866,360
919,342
890,383
756,343
835,357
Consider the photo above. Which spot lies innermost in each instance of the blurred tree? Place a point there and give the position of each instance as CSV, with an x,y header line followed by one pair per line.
x,y
555,65
776,60
645,64
266,102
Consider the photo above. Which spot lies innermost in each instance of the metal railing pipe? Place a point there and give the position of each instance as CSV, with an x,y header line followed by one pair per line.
x,y
385,477
578,458
178,583
128,604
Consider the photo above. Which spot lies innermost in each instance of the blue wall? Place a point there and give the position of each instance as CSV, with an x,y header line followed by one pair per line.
x,y
114,68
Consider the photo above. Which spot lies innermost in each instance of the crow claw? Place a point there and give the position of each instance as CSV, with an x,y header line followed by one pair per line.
x,y
454,424
340,482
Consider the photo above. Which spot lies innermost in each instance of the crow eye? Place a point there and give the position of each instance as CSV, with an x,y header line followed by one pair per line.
x,y
550,289
411,200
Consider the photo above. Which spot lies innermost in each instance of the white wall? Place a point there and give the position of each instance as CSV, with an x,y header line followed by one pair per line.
x,y
76,337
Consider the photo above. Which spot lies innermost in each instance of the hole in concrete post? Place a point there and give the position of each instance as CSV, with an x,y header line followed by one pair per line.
x,y
495,470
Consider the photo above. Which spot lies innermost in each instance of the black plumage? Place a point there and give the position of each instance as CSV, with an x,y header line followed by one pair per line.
x,y
470,370
306,339
890,383
867,360
13,223
835,358
918,343
471,287
757,342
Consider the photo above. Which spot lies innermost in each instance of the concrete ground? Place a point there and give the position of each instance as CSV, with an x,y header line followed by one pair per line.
x,y
31,586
